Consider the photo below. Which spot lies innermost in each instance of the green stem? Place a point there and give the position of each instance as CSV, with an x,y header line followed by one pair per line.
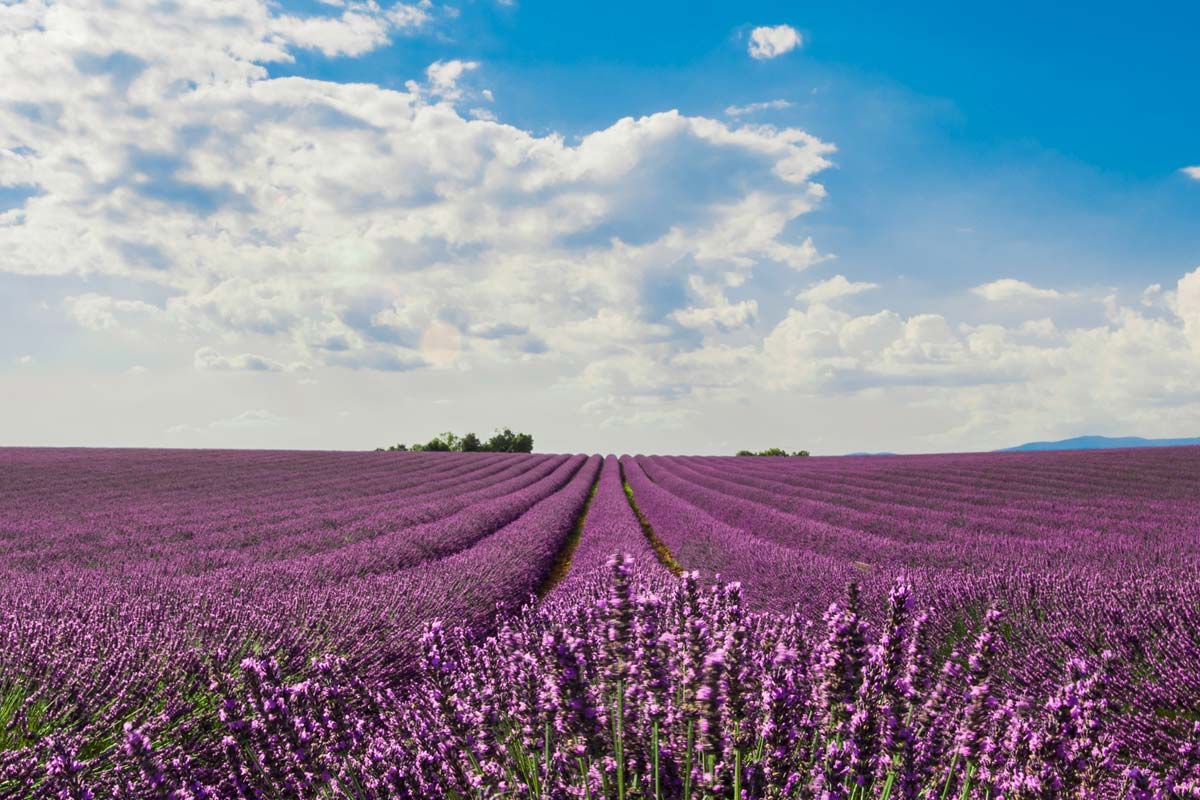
x,y
654,736
618,739
687,775
950,776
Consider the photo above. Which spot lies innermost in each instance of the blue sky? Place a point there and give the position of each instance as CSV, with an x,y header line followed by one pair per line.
x,y
1055,132
917,229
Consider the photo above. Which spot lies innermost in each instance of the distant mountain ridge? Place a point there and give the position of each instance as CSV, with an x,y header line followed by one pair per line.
x,y
1100,443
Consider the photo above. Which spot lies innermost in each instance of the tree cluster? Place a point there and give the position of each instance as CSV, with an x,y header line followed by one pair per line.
x,y
502,441
772,451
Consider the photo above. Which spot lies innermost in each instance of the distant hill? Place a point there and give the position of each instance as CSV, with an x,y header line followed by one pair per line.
x,y
1100,443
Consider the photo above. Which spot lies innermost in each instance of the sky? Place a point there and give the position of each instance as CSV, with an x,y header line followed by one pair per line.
x,y
631,228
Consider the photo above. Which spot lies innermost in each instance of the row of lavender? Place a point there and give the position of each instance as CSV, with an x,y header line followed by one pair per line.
x,y
1033,664
1087,554
108,618
179,513
131,665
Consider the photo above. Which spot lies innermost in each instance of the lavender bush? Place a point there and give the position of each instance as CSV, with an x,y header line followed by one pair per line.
x,y
326,625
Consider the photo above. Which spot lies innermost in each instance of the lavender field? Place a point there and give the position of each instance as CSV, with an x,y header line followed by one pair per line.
x,y
224,624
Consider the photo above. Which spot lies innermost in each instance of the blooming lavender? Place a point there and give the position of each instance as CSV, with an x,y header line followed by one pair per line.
x,y
237,625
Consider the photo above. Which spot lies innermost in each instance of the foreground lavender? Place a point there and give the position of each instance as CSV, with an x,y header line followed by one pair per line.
x,y
685,693
308,625
679,694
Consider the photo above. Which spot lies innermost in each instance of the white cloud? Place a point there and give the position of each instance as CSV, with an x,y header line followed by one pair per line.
x,y
1192,172
361,28
1137,370
1152,295
713,310
352,34
207,358
101,313
1039,328
213,214
1009,289
724,316
25,360
752,108
836,287
773,41
444,76
1187,306
352,226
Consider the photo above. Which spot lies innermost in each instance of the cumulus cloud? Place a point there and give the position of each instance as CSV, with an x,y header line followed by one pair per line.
x,y
1032,374
214,214
207,358
444,76
714,310
1009,289
836,287
1187,306
1192,172
722,316
773,41
358,30
354,226
99,312
753,108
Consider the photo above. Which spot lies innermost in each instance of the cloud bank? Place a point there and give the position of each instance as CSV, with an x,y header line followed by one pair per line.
x,y
262,236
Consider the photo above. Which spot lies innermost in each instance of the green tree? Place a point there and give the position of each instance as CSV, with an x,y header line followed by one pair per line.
x,y
502,441
444,443
505,441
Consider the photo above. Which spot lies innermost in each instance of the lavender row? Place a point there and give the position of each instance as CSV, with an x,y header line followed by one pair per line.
x,y
610,527
678,693
82,652
218,527
1062,593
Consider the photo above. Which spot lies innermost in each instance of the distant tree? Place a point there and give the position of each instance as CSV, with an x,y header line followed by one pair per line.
x,y
801,453
771,451
506,441
443,443
746,453
502,441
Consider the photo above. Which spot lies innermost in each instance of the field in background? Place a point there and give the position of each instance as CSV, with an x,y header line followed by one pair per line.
x,y
128,579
